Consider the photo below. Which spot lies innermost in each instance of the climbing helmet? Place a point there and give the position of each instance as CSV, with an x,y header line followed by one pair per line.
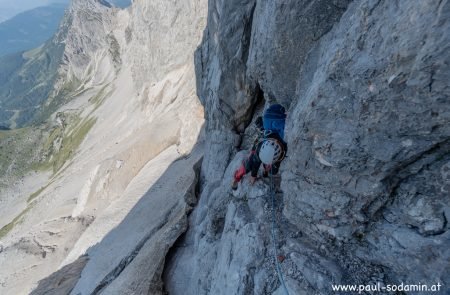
x,y
271,151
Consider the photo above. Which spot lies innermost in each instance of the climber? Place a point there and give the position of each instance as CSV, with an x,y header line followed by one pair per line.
x,y
269,148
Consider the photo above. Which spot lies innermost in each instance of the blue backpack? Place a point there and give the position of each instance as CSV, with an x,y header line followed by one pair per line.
x,y
274,119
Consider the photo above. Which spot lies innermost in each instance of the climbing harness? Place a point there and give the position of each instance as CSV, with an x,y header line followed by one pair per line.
x,y
274,239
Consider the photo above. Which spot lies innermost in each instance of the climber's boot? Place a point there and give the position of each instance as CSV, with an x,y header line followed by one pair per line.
x,y
234,185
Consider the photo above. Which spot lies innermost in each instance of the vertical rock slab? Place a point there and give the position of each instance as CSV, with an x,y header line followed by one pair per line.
x,y
282,35
367,129
248,46
130,257
369,134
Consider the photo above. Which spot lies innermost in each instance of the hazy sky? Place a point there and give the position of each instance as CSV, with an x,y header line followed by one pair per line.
x,y
9,8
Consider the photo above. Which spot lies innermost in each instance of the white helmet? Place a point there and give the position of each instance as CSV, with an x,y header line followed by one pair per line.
x,y
270,151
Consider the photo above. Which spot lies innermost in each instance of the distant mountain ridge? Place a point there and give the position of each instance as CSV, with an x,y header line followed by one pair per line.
x,y
29,90
30,29
9,9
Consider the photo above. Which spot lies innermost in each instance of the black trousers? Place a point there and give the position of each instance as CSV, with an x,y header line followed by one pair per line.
x,y
253,163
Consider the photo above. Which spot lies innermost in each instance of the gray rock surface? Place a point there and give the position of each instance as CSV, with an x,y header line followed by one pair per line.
x,y
161,36
131,74
62,281
282,34
371,139
87,22
130,258
365,185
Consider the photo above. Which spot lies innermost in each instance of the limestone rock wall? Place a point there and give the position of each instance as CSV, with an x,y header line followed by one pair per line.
x,y
365,185
161,36
129,76
86,31
370,139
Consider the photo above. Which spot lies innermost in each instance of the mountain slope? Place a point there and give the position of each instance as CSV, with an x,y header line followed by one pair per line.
x,y
30,29
110,131
36,83
27,83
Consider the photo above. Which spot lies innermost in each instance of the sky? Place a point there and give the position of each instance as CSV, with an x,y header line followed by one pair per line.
x,y
9,8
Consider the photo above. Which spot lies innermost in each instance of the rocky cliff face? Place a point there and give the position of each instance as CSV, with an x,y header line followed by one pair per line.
x,y
365,185
36,83
87,23
120,111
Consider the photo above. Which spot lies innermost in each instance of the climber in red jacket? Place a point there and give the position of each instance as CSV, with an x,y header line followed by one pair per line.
x,y
269,149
